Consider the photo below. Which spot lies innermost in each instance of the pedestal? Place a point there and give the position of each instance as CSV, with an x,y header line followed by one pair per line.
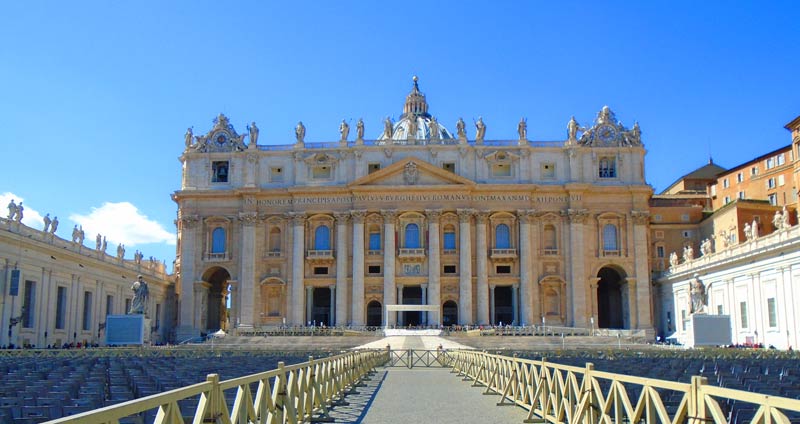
x,y
708,330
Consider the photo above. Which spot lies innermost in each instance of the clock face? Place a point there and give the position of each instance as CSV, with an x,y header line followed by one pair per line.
x,y
221,139
606,133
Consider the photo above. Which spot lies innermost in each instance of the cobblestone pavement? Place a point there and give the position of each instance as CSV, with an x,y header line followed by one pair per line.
x,y
429,395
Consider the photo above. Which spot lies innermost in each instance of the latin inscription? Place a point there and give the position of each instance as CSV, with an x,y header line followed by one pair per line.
x,y
371,198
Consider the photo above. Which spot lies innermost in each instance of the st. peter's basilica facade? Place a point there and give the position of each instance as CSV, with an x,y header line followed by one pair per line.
x,y
491,231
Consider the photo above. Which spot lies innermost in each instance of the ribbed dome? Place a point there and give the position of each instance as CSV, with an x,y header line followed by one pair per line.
x,y
416,123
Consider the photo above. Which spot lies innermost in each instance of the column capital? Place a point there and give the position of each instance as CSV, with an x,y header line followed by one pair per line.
x,y
515,285
400,286
526,215
424,285
248,218
593,281
309,288
342,217
631,281
577,216
433,215
297,218
640,217
464,215
358,216
482,216
492,286
332,287
189,221
389,215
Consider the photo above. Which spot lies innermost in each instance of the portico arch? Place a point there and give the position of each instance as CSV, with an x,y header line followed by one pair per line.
x,y
612,298
214,300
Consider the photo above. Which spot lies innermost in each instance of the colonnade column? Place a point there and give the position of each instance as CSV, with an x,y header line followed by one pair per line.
x,y
515,303
485,311
491,304
309,304
465,267
424,315
525,268
400,315
187,325
358,267
332,318
247,269
298,267
577,296
644,319
434,267
342,219
388,263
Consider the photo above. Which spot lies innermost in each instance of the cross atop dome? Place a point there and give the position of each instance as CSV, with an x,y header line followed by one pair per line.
x,y
415,102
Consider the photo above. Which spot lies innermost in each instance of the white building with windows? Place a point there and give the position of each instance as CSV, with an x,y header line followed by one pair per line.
x,y
512,231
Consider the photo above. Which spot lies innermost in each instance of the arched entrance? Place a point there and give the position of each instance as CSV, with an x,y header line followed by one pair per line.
x,y
374,315
449,313
503,306
612,305
321,311
216,307
412,295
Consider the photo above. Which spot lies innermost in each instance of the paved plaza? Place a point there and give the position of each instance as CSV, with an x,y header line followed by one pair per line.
x,y
413,342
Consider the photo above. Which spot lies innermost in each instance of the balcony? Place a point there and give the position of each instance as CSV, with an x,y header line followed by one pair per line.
x,y
374,252
319,255
412,254
610,253
449,252
274,254
549,251
503,254
217,257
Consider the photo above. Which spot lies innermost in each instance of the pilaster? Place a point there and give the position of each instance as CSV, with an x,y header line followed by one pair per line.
x,y
485,305
298,267
358,317
525,267
389,297
434,265
247,268
465,267
643,317
342,219
577,218
188,327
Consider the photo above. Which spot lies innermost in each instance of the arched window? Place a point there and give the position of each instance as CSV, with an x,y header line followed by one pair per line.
x,y
502,239
608,168
449,238
610,237
218,240
275,240
550,242
322,238
412,236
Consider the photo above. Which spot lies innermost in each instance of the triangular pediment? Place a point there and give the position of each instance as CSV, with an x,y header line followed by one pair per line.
x,y
412,172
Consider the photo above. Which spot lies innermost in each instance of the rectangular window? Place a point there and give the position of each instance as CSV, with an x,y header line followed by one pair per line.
x,y
685,217
743,314
771,183
109,305
127,305
449,241
754,171
449,269
87,311
687,233
683,319
321,172
501,170
772,312
503,269
739,177
657,218
659,234
781,180
741,194
219,171
374,269
320,270
548,170
714,190
607,168
780,159
725,183
373,167
660,251
375,241
276,174
773,199
770,163
449,166
29,304
727,199
720,310
61,307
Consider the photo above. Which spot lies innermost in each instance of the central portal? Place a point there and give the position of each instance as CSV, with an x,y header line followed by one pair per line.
x,y
412,296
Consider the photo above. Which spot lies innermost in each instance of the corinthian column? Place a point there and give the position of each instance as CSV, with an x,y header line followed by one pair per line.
x,y
577,288
188,255
341,267
434,267
465,267
388,263
247,269
358,267
298,267
525,271
641,301
484,304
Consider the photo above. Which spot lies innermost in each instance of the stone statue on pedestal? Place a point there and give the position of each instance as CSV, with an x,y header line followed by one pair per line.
x,y
54,225
522,129
253,133
572,129
187,138
300,132
387,128
673,260
697,294
47,222
344,130
140,296
460,128
434,128
12,209
360,129
480,129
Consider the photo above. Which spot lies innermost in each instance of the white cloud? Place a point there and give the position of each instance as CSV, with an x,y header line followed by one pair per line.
x,y
30,217
122,223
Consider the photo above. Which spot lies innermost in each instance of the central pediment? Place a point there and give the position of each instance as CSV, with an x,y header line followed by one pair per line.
x,y
412,172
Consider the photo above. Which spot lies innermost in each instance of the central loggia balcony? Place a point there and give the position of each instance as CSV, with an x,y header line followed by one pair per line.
x,y
217,257
319,255
415,253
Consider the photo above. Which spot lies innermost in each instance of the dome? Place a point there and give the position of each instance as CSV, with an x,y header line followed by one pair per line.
x,y
416,123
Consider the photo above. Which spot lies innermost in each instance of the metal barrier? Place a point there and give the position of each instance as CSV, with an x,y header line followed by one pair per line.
x,y
559,393
411,358
285,395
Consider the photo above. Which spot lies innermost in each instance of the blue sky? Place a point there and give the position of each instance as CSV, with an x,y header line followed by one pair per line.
x,y
96,96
